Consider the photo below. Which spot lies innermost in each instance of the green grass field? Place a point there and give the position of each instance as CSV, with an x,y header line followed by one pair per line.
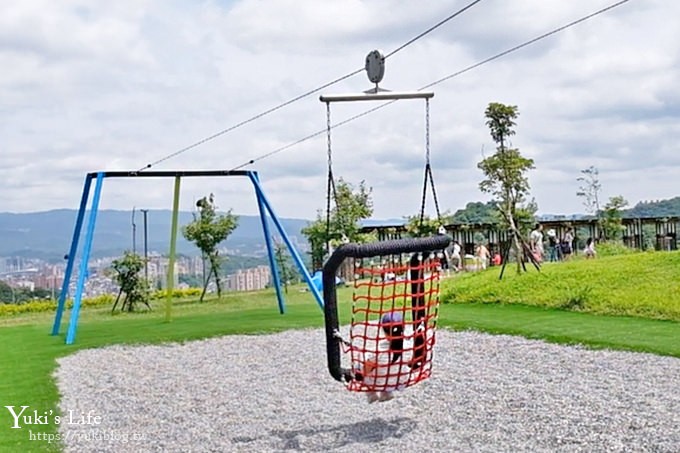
x,y
638,284
524,305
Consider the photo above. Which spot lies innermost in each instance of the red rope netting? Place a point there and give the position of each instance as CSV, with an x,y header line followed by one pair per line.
x,y
394,315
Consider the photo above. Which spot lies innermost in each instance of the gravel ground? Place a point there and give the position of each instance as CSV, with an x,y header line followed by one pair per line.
x,y
273,393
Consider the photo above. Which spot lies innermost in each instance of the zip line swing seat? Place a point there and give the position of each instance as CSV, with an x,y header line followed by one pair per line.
x,y
375,70
395,302
393,314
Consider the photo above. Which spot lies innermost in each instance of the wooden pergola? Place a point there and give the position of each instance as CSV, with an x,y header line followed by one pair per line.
x,y
634,234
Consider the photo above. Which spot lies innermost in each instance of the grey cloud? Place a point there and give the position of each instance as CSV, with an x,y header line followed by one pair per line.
x,y
133,82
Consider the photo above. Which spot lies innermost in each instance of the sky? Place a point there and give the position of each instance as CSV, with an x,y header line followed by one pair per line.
x,y
90,86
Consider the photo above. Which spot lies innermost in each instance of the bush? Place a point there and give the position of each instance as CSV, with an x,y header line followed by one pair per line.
x,y
576,298
104,299
177,293
29,307
611,248
98,301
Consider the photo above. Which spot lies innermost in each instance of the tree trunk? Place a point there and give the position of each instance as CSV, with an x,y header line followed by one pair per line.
x,y
117,299
214,265
206,280
515,243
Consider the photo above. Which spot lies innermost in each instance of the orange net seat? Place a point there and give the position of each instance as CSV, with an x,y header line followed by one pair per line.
x,y
393,313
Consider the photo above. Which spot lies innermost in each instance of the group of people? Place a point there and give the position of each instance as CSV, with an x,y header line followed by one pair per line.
x,y
550,248
482,257
559,249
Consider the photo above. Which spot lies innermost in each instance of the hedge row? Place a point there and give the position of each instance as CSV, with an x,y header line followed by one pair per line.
x,y
105,299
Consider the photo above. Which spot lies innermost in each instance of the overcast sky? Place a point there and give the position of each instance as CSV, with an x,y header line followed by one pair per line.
x,y
89,85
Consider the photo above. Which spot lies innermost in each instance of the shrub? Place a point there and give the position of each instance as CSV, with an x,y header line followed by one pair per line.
x,y
178,293
29,307
576,299
611,248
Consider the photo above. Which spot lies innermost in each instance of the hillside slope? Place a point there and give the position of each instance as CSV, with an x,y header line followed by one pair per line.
x,y
638,284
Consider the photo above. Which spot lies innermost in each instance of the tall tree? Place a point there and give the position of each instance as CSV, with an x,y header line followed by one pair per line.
x,y
207,231
288,271
590,189
612,217
505,171
351,206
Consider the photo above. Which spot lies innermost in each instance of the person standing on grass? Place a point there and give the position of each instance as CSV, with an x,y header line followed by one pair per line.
x,y
589,251
456,260
568,244
553,246
536,242
483,256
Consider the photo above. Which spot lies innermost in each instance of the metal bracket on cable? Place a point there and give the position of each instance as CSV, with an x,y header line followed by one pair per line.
x,y
375,69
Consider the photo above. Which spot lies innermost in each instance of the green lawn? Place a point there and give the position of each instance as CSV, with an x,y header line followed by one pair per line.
x,y
638,284
28,354
559,326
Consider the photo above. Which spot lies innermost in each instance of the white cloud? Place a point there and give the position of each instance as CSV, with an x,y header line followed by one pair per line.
x,y
116,85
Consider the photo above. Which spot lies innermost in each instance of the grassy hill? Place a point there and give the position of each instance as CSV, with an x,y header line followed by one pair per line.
x,y
637,284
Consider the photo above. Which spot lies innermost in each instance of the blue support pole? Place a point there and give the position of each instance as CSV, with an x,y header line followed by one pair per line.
x,y
270,250
72,255
296,257
82,274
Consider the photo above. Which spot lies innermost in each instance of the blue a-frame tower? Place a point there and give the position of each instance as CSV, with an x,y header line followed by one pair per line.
x,y
266,213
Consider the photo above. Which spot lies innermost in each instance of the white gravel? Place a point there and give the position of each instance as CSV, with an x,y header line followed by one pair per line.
x,y
273,393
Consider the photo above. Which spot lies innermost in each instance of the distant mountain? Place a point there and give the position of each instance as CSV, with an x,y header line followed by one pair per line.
x,y
48,234
660,208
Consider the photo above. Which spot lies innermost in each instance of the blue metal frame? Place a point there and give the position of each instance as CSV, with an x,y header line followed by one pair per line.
x,y
263,205
296,257
82,273
72,255
270,250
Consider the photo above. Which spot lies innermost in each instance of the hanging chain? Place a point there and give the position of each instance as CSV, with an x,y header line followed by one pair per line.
x,y
330,155
427,161
427,131
429,167
330,185
328,137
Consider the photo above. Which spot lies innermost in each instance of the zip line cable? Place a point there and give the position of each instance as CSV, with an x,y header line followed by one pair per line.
x,y
432,28
250,120
525,44
304,95
437,82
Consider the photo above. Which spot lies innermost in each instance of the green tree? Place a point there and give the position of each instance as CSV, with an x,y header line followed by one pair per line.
x,y
7,293
207,231
525,216
20,295
287,271
194,281
590,189
612,214
428,227
129,276
318,237
505,171
351,206
477,212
